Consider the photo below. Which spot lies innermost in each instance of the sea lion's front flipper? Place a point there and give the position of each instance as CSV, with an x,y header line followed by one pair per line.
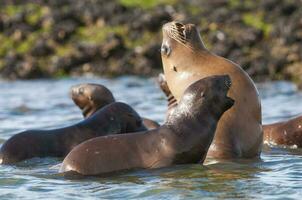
x,y
172,102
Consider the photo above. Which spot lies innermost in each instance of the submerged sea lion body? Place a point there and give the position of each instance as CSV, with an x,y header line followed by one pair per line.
x,y
185,60
114,118
91,97
288,133
184,138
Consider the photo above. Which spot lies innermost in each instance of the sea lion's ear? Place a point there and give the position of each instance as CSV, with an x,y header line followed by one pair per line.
x,y
202,94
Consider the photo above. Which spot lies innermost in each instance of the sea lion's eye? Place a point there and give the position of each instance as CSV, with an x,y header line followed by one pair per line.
x,y
81,90
165,49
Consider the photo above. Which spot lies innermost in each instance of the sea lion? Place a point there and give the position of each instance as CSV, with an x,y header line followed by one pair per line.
x,y
288,133
285,133
184,138
90,97
185,60
114,118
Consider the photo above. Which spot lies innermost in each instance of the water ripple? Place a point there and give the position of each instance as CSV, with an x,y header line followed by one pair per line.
x,y
46,104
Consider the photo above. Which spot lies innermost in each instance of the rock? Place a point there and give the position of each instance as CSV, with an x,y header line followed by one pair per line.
x,y
18,67
294,72
63,30
151,21
111,38
42,48
113,46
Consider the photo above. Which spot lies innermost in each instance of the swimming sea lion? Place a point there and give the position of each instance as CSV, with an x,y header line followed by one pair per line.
x,y
287,133
185,60
114,118
90,97
184,138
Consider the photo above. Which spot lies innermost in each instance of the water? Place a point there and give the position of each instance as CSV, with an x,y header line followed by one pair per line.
x,y
46,104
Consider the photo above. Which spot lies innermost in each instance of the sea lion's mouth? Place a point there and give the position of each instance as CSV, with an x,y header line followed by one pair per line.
x,y
230,102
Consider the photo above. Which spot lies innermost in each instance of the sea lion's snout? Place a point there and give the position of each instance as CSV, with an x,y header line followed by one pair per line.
x,y
181,30
167,26
77,93
178,25
185,34
175,30
76,90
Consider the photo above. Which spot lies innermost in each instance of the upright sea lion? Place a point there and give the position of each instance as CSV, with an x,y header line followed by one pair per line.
x,y
287,133
114,118
91,97
185,60
184,138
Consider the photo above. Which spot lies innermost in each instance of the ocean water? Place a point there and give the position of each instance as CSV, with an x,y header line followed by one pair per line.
x,y
45,104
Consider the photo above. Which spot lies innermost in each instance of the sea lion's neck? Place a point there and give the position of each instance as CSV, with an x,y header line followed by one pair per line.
x,y
190,61
186,116
196,131
88,110
198,44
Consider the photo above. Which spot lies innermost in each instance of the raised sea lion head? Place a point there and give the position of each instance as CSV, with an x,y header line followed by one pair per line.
x,y
91,97
207,95
182,49
176,36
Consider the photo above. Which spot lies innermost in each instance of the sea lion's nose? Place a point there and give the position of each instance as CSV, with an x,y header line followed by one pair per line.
x,y
169,25
178,24
166,26
172,24
74,90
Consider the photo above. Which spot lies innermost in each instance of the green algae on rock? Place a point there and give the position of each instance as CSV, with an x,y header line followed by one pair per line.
x,y
111,38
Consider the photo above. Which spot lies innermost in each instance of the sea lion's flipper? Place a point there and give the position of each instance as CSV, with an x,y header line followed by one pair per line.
x,y
161,80
172,102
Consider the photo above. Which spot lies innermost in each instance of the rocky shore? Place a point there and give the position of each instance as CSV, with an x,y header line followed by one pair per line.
x,y
55,38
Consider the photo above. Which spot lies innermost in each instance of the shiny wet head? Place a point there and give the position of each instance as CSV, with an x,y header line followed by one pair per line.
x,y
90,96
176,33
209,93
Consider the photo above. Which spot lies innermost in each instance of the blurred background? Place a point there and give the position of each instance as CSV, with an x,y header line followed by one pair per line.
x,y
57,38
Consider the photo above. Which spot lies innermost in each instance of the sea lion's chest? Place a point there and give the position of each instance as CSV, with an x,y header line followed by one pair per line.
x,y
179,77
